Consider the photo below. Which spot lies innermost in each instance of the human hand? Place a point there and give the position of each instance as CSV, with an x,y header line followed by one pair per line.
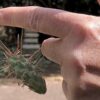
x,y
77,52
98,1
76,48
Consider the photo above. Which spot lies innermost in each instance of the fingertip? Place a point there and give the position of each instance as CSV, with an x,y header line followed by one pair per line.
x,y
46,45
43,47
49,49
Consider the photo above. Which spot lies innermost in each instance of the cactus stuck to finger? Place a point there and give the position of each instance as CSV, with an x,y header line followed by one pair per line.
x,y
16,65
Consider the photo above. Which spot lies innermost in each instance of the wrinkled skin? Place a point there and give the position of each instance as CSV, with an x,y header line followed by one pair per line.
x,y
76,48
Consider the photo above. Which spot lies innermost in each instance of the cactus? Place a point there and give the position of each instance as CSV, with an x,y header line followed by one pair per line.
x,y
16,65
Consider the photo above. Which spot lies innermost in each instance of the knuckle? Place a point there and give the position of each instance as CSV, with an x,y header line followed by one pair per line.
x,y
34,18
50,49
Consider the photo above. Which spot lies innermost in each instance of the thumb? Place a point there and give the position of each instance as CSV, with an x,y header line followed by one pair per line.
x,y
51,49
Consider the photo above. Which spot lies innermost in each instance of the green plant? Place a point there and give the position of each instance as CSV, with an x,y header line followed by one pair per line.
x,y
24,68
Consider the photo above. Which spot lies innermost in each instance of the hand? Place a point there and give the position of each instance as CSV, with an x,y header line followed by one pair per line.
x,y
77,51
98,2
76,48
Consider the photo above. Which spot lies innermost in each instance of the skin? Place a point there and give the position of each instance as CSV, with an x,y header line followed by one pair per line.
x,y
76,47
98,2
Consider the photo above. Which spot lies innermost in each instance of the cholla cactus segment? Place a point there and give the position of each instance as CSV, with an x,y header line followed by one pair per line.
x,y
26,69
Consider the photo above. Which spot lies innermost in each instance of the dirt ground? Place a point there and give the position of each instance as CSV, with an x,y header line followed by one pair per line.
x,y
9,90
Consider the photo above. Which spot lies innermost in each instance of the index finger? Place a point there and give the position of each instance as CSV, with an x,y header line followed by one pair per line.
x,y
45,20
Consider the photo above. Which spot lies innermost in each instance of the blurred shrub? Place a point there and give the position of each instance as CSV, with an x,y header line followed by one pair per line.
x,y
82,6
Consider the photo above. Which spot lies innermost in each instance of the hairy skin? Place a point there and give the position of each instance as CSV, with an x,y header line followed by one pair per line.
x,y
76,48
